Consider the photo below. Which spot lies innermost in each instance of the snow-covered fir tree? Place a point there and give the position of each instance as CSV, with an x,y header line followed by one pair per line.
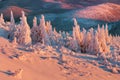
x,y
42,26
23,31
42,32
103,38
107,37
36,32
12,27
50,32
91,44
97,47
77,36
73,42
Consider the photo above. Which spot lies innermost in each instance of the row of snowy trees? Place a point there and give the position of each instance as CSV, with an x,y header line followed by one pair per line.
x,y
92,41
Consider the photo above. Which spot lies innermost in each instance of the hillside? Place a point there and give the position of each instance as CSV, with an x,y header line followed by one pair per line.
x,y
45,65
108,12
16,10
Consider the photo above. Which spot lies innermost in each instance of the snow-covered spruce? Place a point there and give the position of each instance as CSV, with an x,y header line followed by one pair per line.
x,y
36,32
39,33
12,27
23,32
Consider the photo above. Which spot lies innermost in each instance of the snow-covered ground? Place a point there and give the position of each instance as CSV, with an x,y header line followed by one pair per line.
x,y
24,63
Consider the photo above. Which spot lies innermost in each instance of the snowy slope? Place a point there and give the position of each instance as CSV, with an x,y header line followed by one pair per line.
x,y
44,65
105,12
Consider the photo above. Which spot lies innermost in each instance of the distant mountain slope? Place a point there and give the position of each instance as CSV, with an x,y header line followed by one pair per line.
x,y
65,4
105,12
88,12
16,10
